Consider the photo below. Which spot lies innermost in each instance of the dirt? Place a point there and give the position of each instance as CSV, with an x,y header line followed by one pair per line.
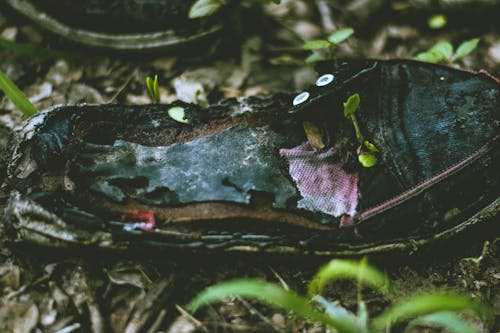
x,y
46,290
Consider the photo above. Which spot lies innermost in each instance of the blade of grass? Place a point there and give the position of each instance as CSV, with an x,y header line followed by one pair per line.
x,y
33,50
16,96
348,269
445,319
273,295
420,305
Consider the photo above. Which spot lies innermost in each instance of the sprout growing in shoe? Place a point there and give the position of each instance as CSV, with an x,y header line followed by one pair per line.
x,y
366,158
153,89
177,113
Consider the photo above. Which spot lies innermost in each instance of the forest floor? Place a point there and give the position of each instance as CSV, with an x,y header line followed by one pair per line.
x,y
48,291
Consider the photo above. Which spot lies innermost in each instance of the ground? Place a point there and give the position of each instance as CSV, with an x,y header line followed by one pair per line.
x,y
49,291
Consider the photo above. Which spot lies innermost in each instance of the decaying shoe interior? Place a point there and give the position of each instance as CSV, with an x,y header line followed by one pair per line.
x,y
241,174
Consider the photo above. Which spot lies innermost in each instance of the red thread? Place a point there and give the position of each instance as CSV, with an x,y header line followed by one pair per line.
x,y
142,219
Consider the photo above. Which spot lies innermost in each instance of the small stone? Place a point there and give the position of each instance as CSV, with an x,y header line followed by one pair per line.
x,y
306,30
9,33
164,64
81,93
303,77
278,319
138,99
58,73
494,52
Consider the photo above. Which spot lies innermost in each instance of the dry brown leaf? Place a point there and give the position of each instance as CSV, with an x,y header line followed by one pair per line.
x,y
313,134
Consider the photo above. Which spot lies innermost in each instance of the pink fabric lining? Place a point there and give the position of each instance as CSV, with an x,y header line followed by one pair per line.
x,y
324,185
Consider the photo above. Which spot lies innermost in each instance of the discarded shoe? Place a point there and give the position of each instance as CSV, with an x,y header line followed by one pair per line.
x,y
243,175
120,24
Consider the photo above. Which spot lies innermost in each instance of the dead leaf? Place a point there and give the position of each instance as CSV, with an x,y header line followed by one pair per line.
x,y
132,276
10,276
314,136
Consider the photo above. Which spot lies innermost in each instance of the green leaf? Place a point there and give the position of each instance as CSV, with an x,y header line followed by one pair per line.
x,y
371,147
465,48
351,105
16,96
445,319
274,295
443,48
437,21
316,44
439,52
203,8
314,57
425,304
367,160
177,113
340,35
347,269
429,56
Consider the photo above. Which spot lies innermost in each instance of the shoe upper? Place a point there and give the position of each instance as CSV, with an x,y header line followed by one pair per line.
x,y
243,173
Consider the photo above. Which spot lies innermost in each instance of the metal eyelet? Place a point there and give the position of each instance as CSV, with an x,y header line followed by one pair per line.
x,y
301,98
325,79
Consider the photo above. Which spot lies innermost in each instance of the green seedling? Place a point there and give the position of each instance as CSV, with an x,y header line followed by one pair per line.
x,y
202,8
16,96
442,52
330,43
368,158
178,114
436,308
153,89
437,21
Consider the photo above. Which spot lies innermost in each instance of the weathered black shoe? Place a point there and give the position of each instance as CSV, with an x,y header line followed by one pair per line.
x,y
242,175
119,24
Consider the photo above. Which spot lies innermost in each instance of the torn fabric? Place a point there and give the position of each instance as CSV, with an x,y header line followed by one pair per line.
x,y
324,185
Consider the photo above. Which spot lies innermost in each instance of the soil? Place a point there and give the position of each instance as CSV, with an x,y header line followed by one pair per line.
x,y
46,290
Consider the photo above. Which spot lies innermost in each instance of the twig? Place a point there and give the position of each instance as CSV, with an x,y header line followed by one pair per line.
x,y
280,279
326,16
189,316
254,311
123,86
25,287
70,328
